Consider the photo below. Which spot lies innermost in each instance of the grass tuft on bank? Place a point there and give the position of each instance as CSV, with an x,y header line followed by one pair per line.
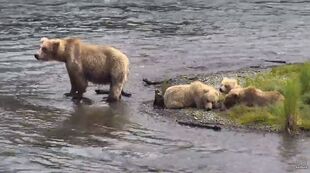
x,y
293,81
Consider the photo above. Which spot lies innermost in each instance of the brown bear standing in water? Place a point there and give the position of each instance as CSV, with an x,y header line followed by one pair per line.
x,y
85,62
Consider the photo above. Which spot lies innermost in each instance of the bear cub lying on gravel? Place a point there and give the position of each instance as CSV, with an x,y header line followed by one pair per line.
x,y
195,94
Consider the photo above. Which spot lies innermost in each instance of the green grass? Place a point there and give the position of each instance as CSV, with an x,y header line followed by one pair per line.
x,y
306,98
305,116
304,77
270,115
305,124
293,81
267,81
292,94
286,69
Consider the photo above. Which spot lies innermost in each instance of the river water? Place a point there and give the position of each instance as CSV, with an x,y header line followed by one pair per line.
x,y
42,131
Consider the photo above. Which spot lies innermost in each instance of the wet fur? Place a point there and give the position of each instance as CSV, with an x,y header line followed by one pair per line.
x,y
85,62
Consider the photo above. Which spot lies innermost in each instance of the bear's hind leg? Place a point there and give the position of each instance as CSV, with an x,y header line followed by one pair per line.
x,y
115,90
176,105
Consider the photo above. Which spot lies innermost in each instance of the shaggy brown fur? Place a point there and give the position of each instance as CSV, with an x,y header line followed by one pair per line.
x,y
228,84
251,96
196,94
85,62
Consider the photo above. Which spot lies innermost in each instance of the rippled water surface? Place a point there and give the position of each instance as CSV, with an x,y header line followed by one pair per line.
x,y
42,131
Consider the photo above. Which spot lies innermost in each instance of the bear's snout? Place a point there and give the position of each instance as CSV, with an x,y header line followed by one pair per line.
x,y
36,56
221,90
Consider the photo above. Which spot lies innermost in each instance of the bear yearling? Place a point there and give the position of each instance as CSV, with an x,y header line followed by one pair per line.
x,y
195,94
251,96
85,62
228,84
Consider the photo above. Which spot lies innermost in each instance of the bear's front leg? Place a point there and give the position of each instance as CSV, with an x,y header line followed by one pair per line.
x,y
72,92
198,103
80,84
208,106
70,70
77,80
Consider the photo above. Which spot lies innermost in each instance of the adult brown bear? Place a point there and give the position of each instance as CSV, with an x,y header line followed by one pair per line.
x,y
86,62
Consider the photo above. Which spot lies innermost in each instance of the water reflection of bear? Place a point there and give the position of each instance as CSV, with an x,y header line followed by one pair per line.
x,y
87,121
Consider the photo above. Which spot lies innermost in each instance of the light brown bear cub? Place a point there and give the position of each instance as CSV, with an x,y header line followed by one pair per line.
x,y
196,94
228,84
249,96
85,62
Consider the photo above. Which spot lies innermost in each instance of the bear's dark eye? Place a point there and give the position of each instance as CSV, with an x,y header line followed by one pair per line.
x,y
44,49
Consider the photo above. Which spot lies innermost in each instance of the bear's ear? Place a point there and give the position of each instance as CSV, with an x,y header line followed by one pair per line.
x,y
55,44
225,78
43,39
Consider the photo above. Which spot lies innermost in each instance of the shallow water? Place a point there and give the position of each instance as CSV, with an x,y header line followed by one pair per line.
x,y
42,131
